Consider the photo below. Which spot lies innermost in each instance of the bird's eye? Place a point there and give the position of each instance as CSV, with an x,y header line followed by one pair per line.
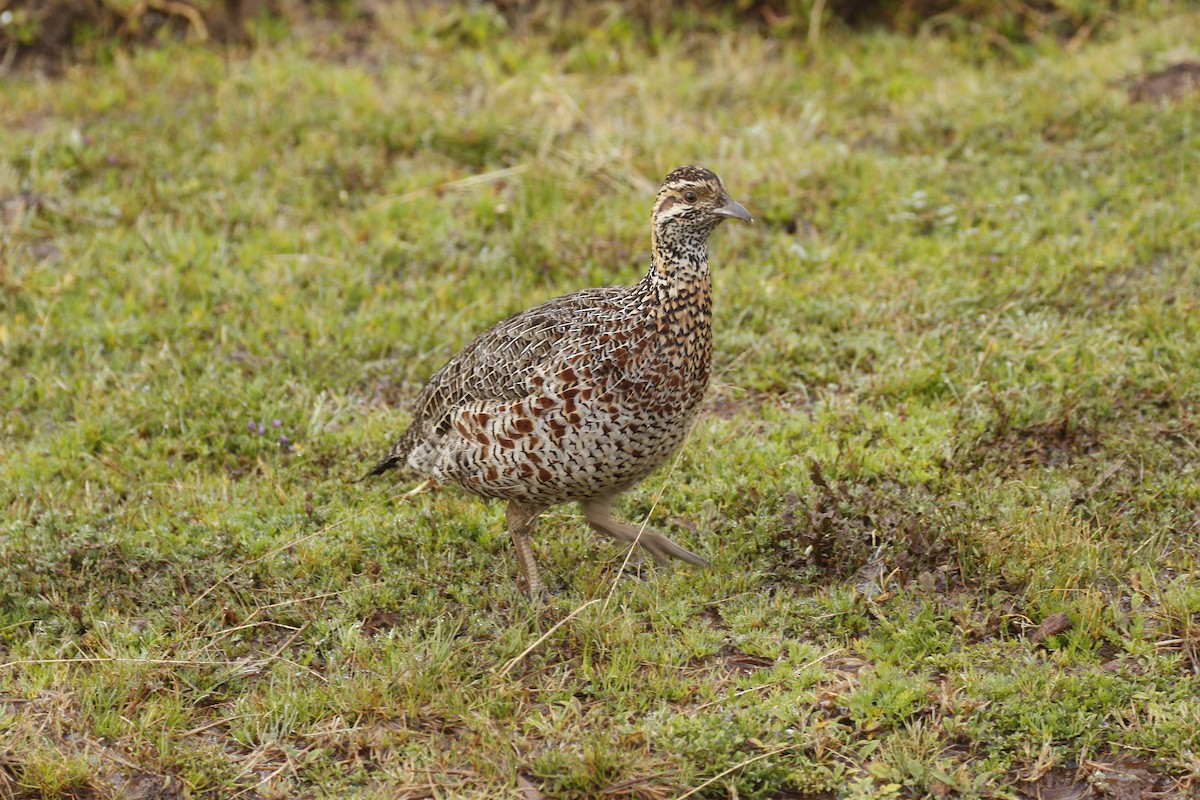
x,y
689,196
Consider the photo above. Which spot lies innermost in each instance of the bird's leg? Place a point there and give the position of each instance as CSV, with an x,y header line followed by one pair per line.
x,y
520,521
428,485
598,513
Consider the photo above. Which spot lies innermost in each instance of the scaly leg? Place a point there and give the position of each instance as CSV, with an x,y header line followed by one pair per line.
x,y
520,521
598,513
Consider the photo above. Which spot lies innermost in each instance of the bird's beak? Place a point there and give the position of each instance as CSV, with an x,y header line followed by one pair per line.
x,y
734,210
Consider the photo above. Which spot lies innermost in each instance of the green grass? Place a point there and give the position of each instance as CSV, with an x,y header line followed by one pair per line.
x,y
956,393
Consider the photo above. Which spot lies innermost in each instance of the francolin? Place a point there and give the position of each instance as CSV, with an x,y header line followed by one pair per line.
x,y
580,398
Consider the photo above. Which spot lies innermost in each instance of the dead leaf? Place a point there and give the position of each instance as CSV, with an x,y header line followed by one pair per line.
x,y
528,790
1051,626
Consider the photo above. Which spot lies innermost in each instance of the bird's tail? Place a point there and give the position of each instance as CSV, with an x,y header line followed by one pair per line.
x,y
396,457
383,466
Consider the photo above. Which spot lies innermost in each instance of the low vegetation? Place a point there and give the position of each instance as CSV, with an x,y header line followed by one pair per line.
x,y
947,475
49,32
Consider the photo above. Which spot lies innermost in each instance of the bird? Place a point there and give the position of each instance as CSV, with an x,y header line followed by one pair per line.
x,y
581,398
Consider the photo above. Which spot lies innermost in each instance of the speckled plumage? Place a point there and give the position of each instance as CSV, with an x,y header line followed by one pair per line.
x,y
582,397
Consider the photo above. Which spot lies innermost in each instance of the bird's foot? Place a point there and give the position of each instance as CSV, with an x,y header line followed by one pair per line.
x,y
536,595
650,540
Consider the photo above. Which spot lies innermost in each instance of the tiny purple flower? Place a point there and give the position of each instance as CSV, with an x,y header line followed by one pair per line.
x,y
261,429
275,423
251,425
112,161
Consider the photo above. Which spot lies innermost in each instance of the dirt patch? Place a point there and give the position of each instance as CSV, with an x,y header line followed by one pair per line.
x,y
379,621
737,661
15,207
729,405
1054,442
1116,779
386,391
733,660
850,528
150,787
55,721
712,615
1166,86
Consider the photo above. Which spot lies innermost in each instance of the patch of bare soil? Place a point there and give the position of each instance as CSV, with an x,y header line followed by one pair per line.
x,y
1053,442
150,787
380,621
386,391
850,528
712,615
724,403
16,207
1117,779
732,660
1172,84
55,720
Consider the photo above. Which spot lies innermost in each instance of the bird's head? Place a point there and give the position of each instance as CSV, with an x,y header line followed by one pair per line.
x,y
691,202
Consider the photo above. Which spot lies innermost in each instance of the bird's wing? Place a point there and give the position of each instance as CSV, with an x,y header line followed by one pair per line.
x,y
498,364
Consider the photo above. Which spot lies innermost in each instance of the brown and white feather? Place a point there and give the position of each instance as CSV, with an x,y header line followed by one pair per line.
x,y
581,397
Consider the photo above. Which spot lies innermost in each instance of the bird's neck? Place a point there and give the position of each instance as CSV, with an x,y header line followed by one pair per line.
x,y
675,298
679,275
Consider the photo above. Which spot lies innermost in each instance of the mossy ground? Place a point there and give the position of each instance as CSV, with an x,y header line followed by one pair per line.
x,y
956,393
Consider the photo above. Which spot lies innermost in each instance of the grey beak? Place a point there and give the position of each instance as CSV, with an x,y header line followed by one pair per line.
x,y
734,210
